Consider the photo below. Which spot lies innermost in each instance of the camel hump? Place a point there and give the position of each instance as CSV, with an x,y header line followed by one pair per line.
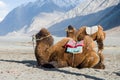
x,y
91,30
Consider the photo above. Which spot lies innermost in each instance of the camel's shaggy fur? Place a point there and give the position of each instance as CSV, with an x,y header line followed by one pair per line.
x,y
56,55
43,41
98,36
88,58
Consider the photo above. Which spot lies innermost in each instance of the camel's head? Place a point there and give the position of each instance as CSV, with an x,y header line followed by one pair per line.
x,y
71,32
70,29
42,33
44,37
81,33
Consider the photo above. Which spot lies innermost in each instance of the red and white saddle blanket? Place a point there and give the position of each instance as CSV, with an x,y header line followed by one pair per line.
x,y
74,47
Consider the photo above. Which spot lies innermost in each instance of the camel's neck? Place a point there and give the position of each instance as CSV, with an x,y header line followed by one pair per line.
x,y
71,35
43,46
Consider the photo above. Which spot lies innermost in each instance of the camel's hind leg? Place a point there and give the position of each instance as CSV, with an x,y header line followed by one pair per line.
x,y
38,59
89,62
100,65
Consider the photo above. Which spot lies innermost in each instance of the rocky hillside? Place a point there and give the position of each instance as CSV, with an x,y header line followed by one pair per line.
x,y
89,13
34,15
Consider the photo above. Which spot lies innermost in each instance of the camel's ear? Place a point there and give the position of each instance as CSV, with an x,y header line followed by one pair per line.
x,y
83,28
100,27
66,29
74,29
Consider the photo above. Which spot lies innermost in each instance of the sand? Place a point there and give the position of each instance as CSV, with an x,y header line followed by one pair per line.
x,y
17,62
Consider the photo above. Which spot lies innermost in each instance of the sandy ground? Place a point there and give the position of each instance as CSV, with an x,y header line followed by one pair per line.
x,y
17,62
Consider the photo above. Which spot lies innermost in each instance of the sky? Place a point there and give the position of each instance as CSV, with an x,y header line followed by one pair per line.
x,y
7,5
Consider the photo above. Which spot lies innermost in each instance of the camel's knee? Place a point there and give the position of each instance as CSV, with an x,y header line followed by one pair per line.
x,y
62,64
99,66
93,60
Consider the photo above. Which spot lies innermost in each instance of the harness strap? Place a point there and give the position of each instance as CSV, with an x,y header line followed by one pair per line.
x,y
42,38
34,39
73,60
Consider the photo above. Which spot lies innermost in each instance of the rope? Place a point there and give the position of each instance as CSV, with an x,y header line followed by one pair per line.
x,y
42,38
73,60
34,39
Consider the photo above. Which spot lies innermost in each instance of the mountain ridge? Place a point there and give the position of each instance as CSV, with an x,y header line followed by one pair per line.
x,y
89,16
56,15
24,14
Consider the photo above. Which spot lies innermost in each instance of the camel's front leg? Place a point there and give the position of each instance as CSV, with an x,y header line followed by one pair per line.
x,y
37,58
90,61
100,46
62,63
100,65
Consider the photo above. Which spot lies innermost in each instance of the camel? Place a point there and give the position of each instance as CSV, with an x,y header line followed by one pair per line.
x,y
43,41
81,33
48,54
87,59
98,36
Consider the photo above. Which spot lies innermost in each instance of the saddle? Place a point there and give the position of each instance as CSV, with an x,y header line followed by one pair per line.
x,y
91,30
74,47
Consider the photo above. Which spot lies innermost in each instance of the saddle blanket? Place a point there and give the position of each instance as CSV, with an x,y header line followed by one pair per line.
x,y
91,30
74,47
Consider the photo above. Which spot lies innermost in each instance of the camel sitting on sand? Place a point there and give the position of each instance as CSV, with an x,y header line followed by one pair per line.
x,y
96,32
48,54
99,35
44,40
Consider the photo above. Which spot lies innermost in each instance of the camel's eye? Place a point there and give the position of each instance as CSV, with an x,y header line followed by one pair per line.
x,y
45,34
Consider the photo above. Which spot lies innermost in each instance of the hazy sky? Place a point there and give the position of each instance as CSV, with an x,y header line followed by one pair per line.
x,y
7,5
